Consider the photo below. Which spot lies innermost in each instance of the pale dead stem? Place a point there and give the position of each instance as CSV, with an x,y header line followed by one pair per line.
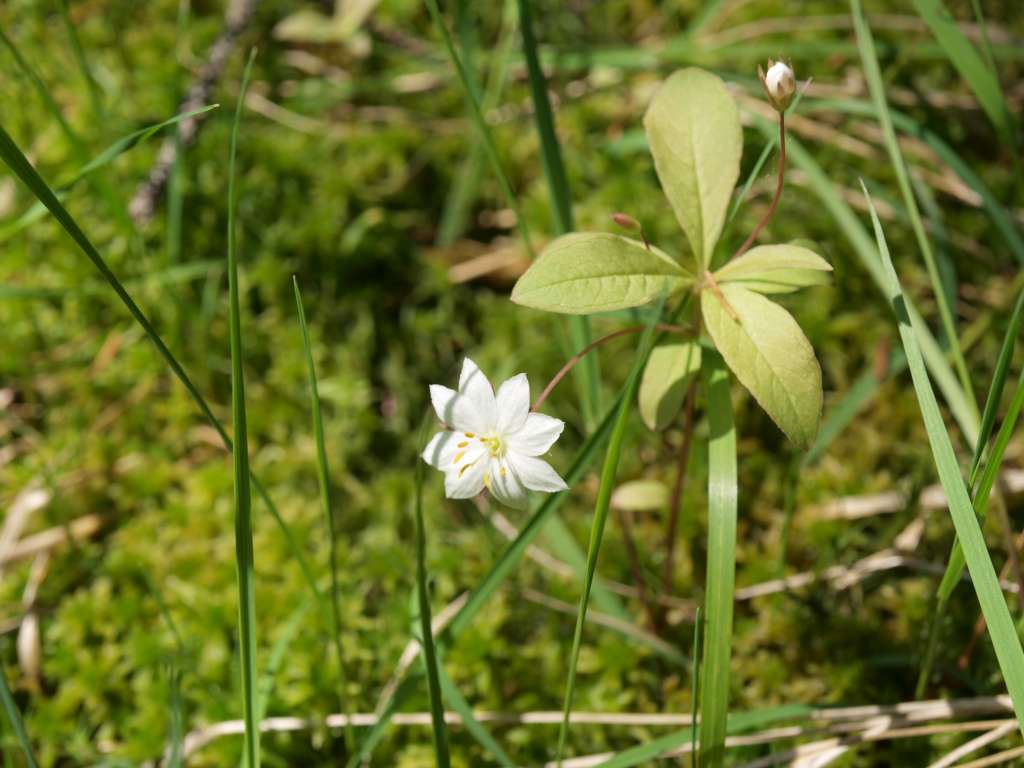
x,y
864,723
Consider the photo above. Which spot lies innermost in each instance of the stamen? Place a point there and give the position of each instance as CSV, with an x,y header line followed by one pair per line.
x,y
470,434
464,468
487,480
458,456
463,444
504,472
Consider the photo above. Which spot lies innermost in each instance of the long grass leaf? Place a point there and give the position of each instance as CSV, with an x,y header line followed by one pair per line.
x,y
15,159
95,97
721,566
983,575
604,495
588,373
426,635
981,79
15,721
873,74
244,556
322,474
37,210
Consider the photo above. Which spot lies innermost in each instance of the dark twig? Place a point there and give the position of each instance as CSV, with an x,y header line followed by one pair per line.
x,y
626,523
236,18
675,501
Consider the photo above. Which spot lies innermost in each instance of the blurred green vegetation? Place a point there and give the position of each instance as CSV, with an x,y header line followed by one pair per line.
x,y
343,183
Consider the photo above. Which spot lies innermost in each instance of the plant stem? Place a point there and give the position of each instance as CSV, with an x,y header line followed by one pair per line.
x,y
663,327
677,487
626,522
778,190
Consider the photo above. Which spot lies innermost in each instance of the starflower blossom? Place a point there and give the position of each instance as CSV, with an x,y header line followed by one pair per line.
x,y
492,441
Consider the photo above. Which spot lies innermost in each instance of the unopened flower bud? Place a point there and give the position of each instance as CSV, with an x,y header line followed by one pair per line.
x,y
626,221
779,83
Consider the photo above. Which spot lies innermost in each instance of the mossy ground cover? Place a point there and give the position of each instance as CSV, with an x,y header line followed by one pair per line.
x,y
346,190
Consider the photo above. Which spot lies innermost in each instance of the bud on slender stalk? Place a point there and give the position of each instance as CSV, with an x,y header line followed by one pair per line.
x,y
626,221
779,83
630,224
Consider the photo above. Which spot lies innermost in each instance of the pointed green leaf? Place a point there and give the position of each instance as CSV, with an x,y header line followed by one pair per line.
x,y
775,269
669,371
596,272
693,129
770,356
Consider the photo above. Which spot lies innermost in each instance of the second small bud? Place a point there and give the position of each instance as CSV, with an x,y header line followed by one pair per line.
x,y
779,83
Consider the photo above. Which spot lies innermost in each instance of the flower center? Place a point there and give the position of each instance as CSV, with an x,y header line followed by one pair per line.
x,y
494,445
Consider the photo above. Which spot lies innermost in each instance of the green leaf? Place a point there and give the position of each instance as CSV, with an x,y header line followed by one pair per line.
x,y
775,269
596,272
640,496
770,356
669,371
693,130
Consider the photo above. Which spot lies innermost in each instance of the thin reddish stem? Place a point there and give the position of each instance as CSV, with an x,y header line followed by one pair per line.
x,y
778,189
594,345
677,487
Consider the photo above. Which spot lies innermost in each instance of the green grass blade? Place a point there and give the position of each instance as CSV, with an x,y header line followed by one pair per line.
x,y
873,74
863,247
588,373
721,567
604,495
16,723
426,635
983,575
469,721
740,723
95,97
15,159
322,473
119,147
981,79
75,142
563,545
995,392
243,497
955,567
455,215
698,633
845,411
1000,217
480,124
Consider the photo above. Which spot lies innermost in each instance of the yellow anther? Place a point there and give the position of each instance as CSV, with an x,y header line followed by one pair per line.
x,y
463,444
458,456
467,466
504,472
487,480
470,434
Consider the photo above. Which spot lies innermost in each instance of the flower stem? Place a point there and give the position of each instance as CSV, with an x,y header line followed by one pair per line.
x,y
778,190
677,487
665,328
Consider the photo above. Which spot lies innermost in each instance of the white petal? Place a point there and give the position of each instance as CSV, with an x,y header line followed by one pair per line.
x,y
505,484
536,436
445,446
536,474
456,410
475,386
513,404
467,480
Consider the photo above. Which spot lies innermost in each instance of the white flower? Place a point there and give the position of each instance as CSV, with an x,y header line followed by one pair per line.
x,y
780,84
493,441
